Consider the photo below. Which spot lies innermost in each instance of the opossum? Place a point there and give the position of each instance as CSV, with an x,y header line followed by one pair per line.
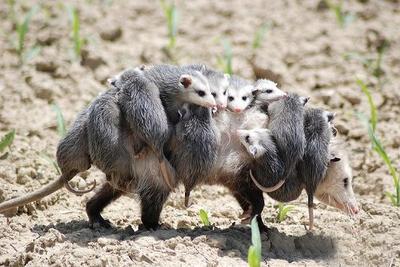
x,y
240,94
219,83
178,86
194,147
141,105
266,91
286,126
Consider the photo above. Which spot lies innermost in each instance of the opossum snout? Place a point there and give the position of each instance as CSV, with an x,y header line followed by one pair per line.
x,y
237,110
221,106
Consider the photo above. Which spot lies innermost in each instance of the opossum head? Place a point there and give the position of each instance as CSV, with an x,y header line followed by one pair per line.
x,y
195,89
336,188
256,141
266,91
240,98
219,84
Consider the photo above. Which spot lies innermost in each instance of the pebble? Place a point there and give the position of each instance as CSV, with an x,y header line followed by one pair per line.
x,y
111,33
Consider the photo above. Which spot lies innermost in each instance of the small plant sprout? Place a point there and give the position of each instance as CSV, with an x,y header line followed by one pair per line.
x,y
22,29
377,146
225,61
61,129
78,42
283,211
204,217
254,254
7,140
343,18
259,36
51,161
171,14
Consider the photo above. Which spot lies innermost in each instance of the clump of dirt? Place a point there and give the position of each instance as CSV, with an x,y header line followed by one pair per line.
x,y
304,47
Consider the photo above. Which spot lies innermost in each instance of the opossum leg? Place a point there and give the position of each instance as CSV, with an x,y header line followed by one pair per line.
x,y
310,211
244,204
254,196
187,196
98,202
152,201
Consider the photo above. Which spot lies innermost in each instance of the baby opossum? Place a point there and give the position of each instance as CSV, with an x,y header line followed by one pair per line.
x,y
218,81
179,85
194,147
266,91
240,94
286,118
136,98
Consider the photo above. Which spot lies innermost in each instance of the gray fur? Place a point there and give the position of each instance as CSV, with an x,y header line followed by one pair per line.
x,y
194,146
166,78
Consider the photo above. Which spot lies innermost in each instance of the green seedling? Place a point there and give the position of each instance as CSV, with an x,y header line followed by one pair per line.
x,y
377,146
22,29
7,140
51,161
283,211
78,42
61,129
343,18
225,61
259,36
204,217
254,254
171,14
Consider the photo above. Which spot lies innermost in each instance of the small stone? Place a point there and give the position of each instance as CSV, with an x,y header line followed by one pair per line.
x,y
46,66
90,60
357,133
217,241
111,34
351,97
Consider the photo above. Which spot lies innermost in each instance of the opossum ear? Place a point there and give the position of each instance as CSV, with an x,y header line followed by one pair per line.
x,y
185,80
253,150
304,100
142,67
203,68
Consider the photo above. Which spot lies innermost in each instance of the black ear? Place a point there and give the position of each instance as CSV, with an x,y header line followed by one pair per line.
x,y
335,159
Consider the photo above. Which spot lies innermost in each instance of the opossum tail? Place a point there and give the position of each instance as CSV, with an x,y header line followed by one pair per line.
x,y
168,172
38,194
266,189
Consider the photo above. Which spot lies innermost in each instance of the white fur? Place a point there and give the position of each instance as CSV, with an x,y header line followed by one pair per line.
x,y
198,84
331,190
240,98
268,91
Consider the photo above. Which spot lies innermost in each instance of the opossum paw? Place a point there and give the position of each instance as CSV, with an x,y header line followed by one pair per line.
x,y
151,227
99,222
246,214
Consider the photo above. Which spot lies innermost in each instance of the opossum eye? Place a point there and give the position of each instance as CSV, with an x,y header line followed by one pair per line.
x,y
268,91
346,182
214,94
247,139
244,98
231,98
225,92
201,93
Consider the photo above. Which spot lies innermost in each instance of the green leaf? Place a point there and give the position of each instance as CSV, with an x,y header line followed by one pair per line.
x,y
283,211
252,258
23,28
204,217
77,40
255,236
52,162
7,140
373,110
259,35
61,129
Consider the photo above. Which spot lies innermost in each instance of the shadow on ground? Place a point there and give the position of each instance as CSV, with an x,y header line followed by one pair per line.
x,y
276,245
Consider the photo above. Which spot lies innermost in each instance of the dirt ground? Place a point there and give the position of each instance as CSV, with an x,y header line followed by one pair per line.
x,y
305,46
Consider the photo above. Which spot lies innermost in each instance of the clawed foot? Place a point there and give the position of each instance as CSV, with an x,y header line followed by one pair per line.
x,y
99,222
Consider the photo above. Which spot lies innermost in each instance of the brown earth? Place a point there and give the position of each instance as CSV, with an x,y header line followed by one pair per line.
x,y
305,47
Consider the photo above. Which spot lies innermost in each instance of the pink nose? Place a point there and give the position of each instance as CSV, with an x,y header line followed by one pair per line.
x,y
237,110
355,209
